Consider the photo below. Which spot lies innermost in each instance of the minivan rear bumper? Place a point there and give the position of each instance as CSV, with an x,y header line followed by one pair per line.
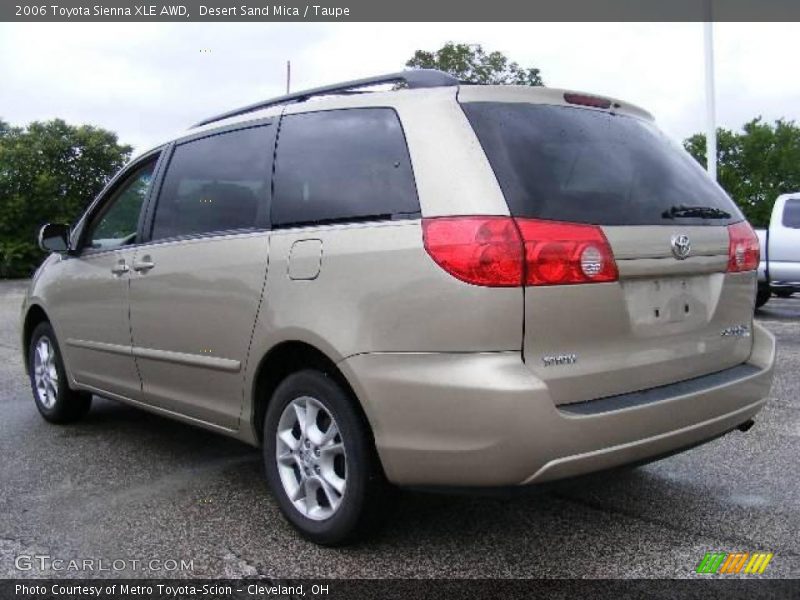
x,y
483,419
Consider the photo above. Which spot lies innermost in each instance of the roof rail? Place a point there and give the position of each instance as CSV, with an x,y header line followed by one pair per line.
x,y
413,78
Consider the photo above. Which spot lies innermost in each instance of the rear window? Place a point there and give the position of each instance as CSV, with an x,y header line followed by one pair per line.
x,y
588,166
791,214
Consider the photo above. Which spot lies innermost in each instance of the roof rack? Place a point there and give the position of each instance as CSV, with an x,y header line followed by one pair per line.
x,y
414,78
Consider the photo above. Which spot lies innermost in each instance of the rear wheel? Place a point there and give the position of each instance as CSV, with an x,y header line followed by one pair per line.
x,y
762,295
320,461
784,293
55,400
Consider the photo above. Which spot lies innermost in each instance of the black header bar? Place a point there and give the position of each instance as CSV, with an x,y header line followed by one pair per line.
x,y
399,10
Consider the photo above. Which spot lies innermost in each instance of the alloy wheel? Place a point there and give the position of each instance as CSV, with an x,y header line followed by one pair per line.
x,y
45,374
311,458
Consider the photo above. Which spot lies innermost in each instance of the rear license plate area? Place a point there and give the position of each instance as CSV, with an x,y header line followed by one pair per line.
x,y
668,300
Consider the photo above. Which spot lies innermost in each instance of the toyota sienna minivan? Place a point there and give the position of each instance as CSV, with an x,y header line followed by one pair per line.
x,y
432,284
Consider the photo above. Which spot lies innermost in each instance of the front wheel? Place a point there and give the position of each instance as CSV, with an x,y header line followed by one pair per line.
x,y
320,459
55,400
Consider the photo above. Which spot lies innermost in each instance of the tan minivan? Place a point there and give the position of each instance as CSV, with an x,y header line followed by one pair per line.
x,y
437,285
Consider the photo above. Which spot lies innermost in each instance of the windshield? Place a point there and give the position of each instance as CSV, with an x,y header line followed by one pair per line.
x,y
589,166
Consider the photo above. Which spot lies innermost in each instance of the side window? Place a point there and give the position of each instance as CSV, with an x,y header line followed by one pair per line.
x,y
218,183
116,223
342,165
791,214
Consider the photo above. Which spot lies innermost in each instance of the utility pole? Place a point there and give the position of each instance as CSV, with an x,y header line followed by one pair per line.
x,y
711,117
288,76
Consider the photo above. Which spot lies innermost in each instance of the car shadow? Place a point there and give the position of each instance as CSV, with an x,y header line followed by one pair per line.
x,y
560,525
780,309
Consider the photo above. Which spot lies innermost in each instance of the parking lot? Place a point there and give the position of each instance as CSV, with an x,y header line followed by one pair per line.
x,y
127,485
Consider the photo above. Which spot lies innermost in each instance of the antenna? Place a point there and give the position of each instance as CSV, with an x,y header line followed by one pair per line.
x,y
288,76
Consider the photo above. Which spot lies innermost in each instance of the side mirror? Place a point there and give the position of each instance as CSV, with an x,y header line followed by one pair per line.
x,y
54,237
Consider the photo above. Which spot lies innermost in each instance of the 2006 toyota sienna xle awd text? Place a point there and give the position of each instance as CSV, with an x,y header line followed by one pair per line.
x,y
437,285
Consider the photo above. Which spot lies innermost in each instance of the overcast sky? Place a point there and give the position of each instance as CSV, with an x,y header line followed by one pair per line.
x,y
146,81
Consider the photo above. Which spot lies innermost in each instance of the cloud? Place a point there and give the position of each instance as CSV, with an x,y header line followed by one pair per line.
x,y
149,81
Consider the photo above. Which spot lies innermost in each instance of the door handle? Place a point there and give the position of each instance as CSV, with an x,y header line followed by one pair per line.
x,y
145,264
120,268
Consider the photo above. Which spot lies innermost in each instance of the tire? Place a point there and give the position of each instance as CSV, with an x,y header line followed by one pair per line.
x,y
762,295
784,293
56,402
330,462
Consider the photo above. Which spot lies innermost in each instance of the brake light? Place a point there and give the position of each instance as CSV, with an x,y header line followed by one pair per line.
x,y
507,252
479,250
586,100
565,253
744,251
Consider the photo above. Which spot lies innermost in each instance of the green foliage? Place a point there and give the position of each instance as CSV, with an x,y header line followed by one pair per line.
x,y
49,172
755,165
14,253
469,62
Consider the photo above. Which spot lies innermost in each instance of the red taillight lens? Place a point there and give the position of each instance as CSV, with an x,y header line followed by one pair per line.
x,y
479,250
743,250
565,253
505,252
586,100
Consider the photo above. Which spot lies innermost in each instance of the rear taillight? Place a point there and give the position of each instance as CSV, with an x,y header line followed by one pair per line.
x,y
507,252
565,253
479,250
743,249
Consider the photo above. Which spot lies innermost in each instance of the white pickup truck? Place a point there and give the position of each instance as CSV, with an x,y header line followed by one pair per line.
x,y
779,270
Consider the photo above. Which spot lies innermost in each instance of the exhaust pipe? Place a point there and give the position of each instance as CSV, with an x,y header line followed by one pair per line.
x,y
746,425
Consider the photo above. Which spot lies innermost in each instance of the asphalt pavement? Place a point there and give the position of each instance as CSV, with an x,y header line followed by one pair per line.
x,y
129,486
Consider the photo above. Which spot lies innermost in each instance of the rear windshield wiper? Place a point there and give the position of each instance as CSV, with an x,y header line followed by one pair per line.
x,y
702,212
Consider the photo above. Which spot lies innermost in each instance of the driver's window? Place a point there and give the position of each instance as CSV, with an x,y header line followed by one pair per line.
x,y
118,220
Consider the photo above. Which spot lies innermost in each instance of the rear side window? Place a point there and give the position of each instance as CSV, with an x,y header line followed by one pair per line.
x,y
588,166
215,184
791,214
342,165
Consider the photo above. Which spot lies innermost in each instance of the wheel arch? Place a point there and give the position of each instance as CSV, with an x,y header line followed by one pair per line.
x,y
35,315
282,360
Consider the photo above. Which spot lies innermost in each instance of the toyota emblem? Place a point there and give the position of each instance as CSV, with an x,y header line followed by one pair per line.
x,y
681,246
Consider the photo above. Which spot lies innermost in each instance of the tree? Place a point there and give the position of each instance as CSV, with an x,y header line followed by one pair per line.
x,y
49,172
755,165
469,62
